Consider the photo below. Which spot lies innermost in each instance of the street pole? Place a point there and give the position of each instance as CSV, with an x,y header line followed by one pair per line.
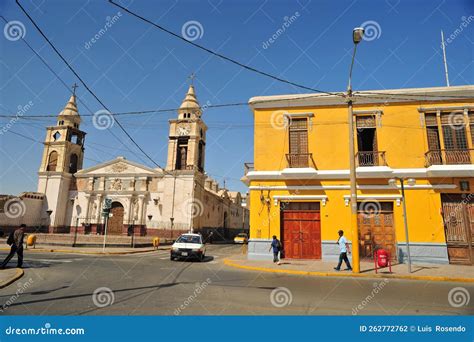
x,y
406,223
352,175
75,232
105,231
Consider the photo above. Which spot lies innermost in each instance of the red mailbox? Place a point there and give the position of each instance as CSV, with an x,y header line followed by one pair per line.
x,y
382,259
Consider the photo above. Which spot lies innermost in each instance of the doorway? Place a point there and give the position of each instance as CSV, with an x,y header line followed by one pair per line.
x,y
301,230
115,223
458,217
376,228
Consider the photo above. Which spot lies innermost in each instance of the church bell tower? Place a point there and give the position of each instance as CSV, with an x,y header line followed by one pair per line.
x,y
187,136
63,156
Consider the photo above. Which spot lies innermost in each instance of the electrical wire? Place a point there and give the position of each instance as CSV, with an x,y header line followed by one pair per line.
x,y
231,60
65,85
83,83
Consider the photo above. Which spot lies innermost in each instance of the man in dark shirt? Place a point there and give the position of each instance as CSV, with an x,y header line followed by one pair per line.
x,y
276,246
17,247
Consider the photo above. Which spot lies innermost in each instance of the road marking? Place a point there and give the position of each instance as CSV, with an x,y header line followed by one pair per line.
x,y
54,260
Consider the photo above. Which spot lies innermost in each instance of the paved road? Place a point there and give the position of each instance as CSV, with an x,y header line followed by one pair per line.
x,y
151,284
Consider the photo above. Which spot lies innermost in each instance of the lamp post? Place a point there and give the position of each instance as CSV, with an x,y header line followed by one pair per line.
x,y
411,182
357,35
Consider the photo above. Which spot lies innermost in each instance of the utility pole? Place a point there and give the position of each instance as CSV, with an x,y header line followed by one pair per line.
x,y
357,35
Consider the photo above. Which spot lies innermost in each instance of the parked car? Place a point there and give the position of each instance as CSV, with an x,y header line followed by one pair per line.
x,y
241,238
188,246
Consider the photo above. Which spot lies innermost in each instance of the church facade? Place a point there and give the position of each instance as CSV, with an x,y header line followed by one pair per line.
x,y
144,201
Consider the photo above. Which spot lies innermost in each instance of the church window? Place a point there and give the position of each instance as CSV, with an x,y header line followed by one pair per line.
x,y
76,139
73,163
56,136
60,123
52,161
200,156
181,154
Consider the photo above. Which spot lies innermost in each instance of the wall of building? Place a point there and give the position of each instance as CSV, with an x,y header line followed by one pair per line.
x,y
400,132
24,209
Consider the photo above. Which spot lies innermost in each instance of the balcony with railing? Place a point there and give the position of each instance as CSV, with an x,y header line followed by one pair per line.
x,y
449,157
371,158
300,160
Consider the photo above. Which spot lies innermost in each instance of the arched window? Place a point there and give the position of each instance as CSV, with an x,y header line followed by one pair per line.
x,y
73,163
52,161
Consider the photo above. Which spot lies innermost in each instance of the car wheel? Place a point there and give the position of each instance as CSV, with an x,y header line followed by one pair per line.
x,y
201,258
171,258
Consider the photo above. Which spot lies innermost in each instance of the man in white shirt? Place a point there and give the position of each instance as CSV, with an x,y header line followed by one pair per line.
x,y
345,249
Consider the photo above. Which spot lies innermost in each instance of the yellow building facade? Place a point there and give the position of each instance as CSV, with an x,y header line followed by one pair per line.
x,y
299,182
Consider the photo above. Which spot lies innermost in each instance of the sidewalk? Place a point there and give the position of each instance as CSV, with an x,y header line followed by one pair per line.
x,y
9,275
89,250
427,272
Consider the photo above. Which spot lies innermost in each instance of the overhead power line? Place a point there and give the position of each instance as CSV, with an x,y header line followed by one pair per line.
x,y
65,85
231,60
356,95
40,142
418,96
83,83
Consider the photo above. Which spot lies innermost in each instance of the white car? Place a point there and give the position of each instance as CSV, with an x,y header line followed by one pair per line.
x,y
188,246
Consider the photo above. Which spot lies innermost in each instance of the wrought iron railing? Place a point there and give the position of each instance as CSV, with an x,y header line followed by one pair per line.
x,y
371,158
300,160
448,157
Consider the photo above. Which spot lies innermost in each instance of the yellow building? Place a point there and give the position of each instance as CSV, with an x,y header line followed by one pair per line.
x,y
299,183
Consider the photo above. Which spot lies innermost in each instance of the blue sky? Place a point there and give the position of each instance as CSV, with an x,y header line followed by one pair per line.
x,y
134,67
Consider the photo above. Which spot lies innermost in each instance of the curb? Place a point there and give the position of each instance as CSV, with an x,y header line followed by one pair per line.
x,y
19,273
232,263
71,251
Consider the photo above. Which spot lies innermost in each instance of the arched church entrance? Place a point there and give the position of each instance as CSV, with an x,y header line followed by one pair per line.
x,y
115,225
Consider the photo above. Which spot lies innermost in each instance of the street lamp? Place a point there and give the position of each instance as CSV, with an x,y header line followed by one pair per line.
x,y
410,182
357,35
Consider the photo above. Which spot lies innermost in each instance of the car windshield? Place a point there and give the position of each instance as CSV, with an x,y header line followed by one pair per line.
x,y
189,239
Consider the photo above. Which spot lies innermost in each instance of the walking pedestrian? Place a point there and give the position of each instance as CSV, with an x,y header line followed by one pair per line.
x,y
277,247
344,250
15,239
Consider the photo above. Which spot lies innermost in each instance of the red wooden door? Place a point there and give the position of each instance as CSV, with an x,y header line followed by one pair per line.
x,y
301,231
